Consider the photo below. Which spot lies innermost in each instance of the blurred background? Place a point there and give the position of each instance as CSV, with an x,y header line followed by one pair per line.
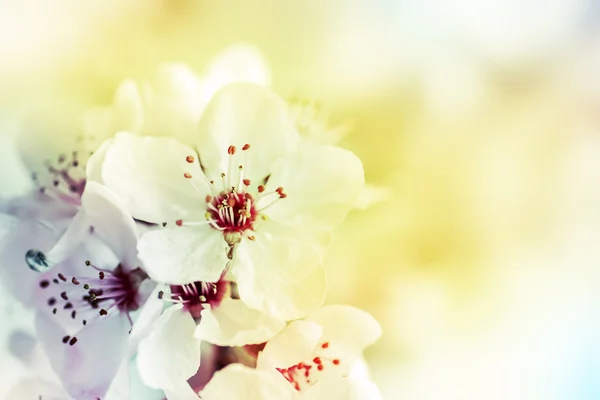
x,y
479,119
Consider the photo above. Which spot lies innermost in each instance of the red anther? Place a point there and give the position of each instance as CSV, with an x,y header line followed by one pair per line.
x,y
66,339
251,238
246,147
179,222
246,182
44,284
320,367
317,360
279,190
261,188
282,195
336,362
208,198
103,312
231,150
325,345
62,277
64,296
75,281
189,159
187,175
231,202
72,341
101,275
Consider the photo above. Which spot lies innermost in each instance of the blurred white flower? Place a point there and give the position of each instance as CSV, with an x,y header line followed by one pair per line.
x,y
172,104
250,193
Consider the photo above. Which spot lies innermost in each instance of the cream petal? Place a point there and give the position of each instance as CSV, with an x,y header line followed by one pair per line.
x,y
347,326
233,323
260,121
279,275
339,388
182,255
147,316
238,62
147,174
129,109
322,184
170,355
238,382
295,343
94,165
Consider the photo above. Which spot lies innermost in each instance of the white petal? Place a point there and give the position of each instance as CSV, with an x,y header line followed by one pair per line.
x,y
233,323
237,382
88,367
182,255
77,232
111,222
237,63
239,114
322,185
279,275
120,386
148,314
34,389
183,392
294,344
147,174
170,355
347,326
338,388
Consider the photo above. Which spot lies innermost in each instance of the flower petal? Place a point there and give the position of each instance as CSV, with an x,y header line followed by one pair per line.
x,y
20,236
233,323
147,316
237,382
322,184
111,222
87,367
237,63
34,389
170,355
260,121
94,166
147,174
279,275
182,255
339,388
295,343
347,326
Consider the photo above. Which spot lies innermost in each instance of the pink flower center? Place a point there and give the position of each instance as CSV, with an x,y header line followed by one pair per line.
x,y
111,293
195,296
236,207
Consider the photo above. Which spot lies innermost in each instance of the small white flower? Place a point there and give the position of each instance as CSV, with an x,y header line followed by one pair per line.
x,y
326,344
237,382
251,194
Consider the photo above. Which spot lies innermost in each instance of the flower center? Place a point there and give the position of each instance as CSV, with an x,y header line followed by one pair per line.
x,y
86,299
306,373
236,207
64,179
195,296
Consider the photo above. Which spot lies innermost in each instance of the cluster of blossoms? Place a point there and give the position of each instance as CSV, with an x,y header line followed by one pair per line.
x,y
185,229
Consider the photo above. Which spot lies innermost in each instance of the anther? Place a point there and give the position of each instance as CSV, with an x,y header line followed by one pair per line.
x,y
64,296
103,312
72,341
231,150
261,188
208,198
75,281
62,277
88,263
189,159
179,222
44,284
246,182
246,147
66,339
187,175
101,275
